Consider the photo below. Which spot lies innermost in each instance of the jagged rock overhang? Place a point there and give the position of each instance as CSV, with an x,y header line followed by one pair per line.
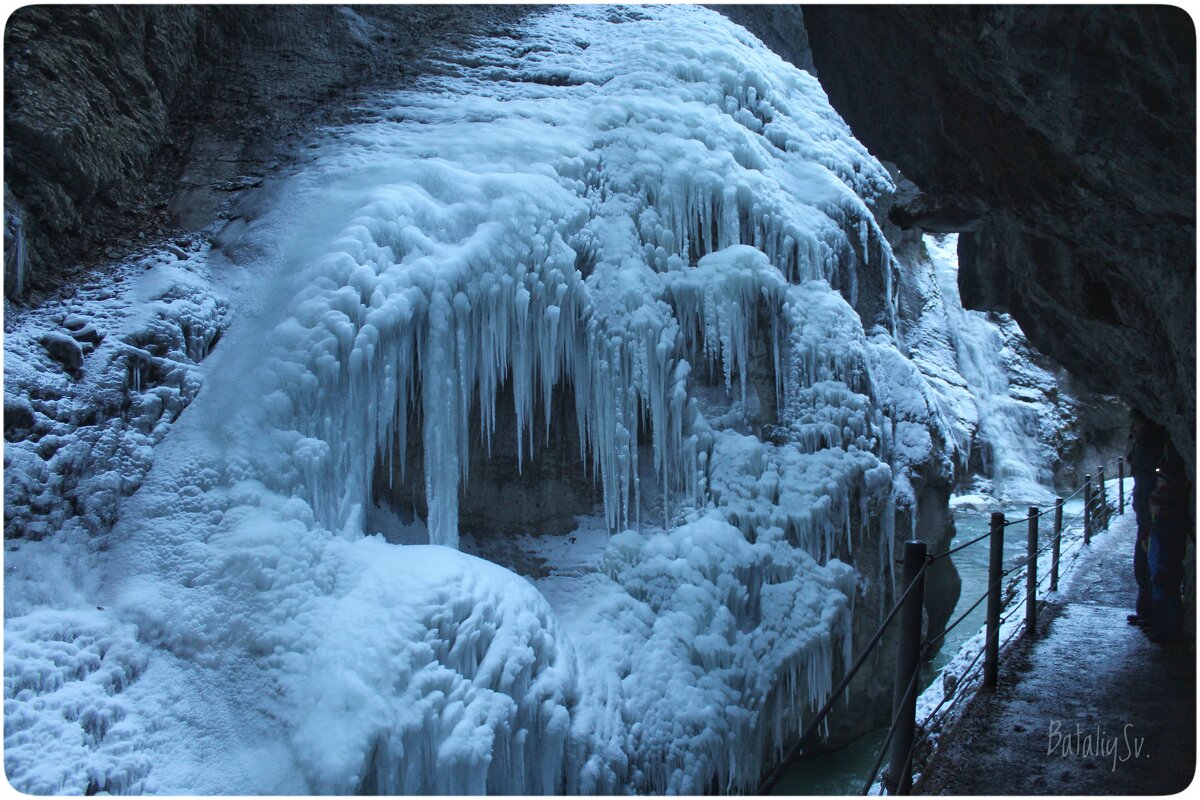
x,y
1068,134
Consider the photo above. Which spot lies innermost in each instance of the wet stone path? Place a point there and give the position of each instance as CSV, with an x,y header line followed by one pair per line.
x,y
1091,707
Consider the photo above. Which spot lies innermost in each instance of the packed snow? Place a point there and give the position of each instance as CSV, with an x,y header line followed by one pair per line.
x,y
645,204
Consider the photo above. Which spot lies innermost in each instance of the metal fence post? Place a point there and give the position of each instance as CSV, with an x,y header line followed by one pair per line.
x,y
1103,497
908,660
1087,509
1058,506
1031,575
991,648
1121,485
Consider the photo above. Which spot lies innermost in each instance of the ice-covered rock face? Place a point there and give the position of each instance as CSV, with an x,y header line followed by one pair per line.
x,y
644,204
530,218
999,419
1020,423
78,439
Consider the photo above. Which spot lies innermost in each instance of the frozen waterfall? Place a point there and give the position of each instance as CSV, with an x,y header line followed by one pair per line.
x,y
1012,437
644,204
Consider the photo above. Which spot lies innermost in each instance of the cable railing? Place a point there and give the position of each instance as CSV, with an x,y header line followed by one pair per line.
x,y
901,743
962,546
1095,516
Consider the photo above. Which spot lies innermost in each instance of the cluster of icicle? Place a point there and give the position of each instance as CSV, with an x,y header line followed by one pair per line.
x,y
682,258
681,208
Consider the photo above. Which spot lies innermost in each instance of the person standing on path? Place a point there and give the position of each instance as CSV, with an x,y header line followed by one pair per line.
x,y
1146,444
1169,507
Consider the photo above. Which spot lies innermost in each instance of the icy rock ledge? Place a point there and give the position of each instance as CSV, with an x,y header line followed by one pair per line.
x,y
464,687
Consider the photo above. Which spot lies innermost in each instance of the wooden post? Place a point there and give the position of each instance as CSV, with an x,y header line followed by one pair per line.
x,y
1058,506
1121,485
1031,575
1103,497
898,779
991,648
1087,509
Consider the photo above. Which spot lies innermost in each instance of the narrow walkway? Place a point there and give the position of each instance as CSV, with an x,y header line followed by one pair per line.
x,y
1091,707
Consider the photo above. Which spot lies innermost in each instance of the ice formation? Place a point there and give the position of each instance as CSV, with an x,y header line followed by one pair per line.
x,y
644,203
76,444
999,404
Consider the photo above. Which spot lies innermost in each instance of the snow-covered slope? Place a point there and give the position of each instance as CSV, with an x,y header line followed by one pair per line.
x,y
645,204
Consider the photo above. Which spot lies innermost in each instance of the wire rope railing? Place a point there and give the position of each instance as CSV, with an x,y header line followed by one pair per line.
x,y
958,621
1017,566
1091,505
954,697
962,546
1094,515
901,741
883,749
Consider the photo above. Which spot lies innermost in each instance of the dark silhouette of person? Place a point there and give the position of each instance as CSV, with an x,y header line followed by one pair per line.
x,y
1146,443
1170,511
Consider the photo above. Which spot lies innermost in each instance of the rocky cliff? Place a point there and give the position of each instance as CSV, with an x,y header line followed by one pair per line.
x,y
140,119
1060,140
87,98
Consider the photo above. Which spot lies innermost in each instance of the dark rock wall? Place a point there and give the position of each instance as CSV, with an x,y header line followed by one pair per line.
x,y
86,98
1061,141
127,119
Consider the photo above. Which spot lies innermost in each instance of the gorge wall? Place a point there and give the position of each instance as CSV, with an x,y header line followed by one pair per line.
x,y
1061,142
